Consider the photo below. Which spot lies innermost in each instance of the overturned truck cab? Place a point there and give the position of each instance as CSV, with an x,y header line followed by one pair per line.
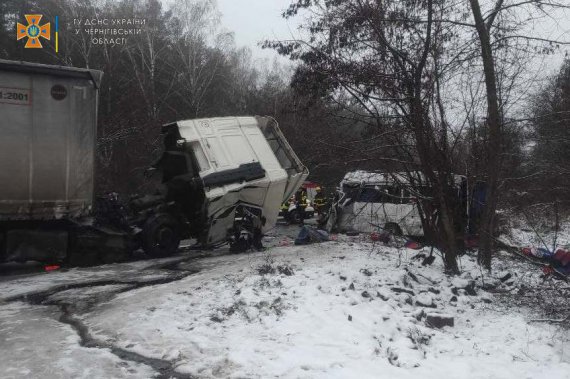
x,y
226,178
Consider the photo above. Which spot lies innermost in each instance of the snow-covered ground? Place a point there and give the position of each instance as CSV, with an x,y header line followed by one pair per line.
x,y
34,344
540,232
334,310
28,285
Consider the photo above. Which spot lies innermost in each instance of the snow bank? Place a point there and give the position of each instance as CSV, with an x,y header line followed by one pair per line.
x,y
332,310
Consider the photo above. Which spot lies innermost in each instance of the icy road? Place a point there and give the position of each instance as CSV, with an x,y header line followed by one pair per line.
x,y
341,309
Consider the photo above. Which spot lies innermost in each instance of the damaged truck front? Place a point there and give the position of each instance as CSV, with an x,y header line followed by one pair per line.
x,y
226,177
223,179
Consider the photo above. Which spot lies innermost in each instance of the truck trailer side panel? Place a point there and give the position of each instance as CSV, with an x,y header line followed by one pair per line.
x,y
47,150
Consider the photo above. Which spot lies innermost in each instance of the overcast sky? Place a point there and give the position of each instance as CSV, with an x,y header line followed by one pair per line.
x,y
252,21
255,20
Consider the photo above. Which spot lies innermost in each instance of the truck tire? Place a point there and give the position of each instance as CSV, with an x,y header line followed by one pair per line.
x,y
161,235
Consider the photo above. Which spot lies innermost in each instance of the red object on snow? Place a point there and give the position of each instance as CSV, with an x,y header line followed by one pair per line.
x,y
526,251
382,237
547,270
413,245
52,267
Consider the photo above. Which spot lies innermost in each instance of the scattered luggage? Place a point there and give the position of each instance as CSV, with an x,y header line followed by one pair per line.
x,y
308,235
557,261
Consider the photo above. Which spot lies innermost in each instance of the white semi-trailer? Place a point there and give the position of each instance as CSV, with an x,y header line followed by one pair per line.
x,y
223,179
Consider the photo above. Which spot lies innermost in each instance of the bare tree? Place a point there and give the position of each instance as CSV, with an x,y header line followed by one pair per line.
x,y
200,50
398,66
387,63
485,24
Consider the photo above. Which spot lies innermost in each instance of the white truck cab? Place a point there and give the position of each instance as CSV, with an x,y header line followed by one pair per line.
x,y
240,165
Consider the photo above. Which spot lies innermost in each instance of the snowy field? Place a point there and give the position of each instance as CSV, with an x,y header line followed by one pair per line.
x,y
342,309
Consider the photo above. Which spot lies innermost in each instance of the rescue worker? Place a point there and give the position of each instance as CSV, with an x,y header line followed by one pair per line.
x,y
320,200
301,203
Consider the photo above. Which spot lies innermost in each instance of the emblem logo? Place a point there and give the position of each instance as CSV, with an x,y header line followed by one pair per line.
x,y
33,31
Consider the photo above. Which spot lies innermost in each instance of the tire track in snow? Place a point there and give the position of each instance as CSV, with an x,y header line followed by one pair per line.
x,y
164,368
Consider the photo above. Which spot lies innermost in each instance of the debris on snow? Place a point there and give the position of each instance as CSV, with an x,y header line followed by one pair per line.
x,y
425,300
403,290
437,320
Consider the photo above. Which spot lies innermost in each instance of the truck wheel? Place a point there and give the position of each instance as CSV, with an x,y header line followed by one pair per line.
x,y
161,236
